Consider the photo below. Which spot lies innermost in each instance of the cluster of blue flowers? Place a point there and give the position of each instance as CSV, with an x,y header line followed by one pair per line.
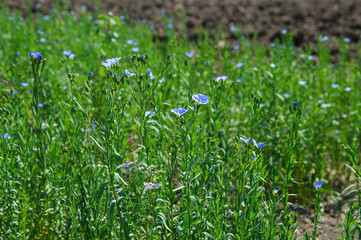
x,y
6,136
248,140
109,63
35,56
198,98
132,42
69,54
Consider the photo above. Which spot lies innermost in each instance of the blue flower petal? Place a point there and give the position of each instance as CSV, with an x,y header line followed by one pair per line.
x,y
179,111
200,98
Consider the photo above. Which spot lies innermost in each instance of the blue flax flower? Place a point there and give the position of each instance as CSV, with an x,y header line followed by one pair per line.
x,y
347,40
24,84
7,136
302,82
240,64
149,114
35,55
67,53
161,11
149,73
189,54
318,185
295,104
286,95
179,111
261,145
40,105
200,98
245,140
127,73
162,80
151,186
324,39
221,79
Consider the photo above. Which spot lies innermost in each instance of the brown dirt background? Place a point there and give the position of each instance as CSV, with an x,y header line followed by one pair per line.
x,y
307,19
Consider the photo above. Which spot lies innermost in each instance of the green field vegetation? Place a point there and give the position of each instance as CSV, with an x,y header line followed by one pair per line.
x,y
91,151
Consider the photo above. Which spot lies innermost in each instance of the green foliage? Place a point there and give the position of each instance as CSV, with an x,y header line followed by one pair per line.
x,y
104,157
